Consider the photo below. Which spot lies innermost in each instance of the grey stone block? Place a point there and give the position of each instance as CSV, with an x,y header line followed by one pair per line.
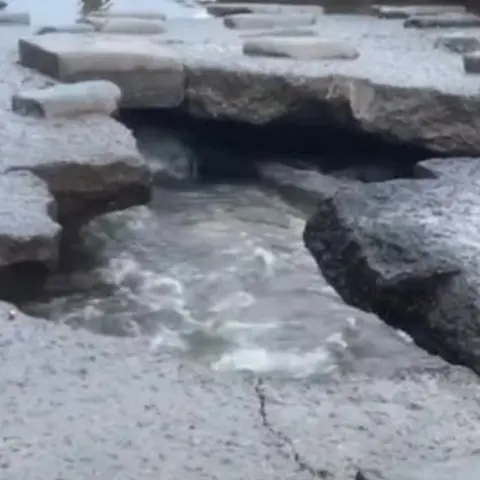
x,y
66,100
129,26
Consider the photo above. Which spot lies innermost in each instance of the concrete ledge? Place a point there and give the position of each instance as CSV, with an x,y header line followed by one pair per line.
x,y
300,48
98,96
135,14
148,75
223,9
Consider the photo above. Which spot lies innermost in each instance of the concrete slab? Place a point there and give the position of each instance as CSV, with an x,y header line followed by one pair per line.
x,y
148,75
405,11
127,26
447,20
267,20
223,9
300,48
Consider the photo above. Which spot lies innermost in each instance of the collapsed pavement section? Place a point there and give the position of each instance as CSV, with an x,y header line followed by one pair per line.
x,y
409,90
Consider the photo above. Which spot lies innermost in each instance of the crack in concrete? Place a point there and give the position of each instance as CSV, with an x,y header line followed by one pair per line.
x,y
285,440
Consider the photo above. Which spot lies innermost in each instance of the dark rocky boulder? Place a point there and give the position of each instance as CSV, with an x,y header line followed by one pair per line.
x,y
409,250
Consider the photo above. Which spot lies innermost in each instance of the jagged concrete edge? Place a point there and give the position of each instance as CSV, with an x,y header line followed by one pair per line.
x,y
357,97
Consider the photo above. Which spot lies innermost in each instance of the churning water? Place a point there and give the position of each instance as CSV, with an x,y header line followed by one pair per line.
x,y
214,271
210,270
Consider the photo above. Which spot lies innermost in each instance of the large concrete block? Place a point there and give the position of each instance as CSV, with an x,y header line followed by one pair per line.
x,y
67,100
148,75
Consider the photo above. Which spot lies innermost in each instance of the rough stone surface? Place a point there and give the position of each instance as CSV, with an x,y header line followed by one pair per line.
x,y
128,26
148,75
97,96
14,18
458,43
403,12
300,48
447,20
28,231
471,62
408,250
267,20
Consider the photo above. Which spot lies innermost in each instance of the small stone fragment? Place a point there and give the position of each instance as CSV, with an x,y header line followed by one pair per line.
x,y
14,18
267,20
471,62
300,48
98,96
12,313
131,26
447,20
73,28
458,43
403,12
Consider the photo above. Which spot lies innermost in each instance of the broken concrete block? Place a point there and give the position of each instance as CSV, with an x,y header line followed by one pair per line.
x,y
14,18
471,62
446,20
130,26
458,43
73,28
300,48
148,75
67,100
268,20
403,12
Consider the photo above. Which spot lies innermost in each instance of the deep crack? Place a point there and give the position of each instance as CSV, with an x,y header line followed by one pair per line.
x,y
285,440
